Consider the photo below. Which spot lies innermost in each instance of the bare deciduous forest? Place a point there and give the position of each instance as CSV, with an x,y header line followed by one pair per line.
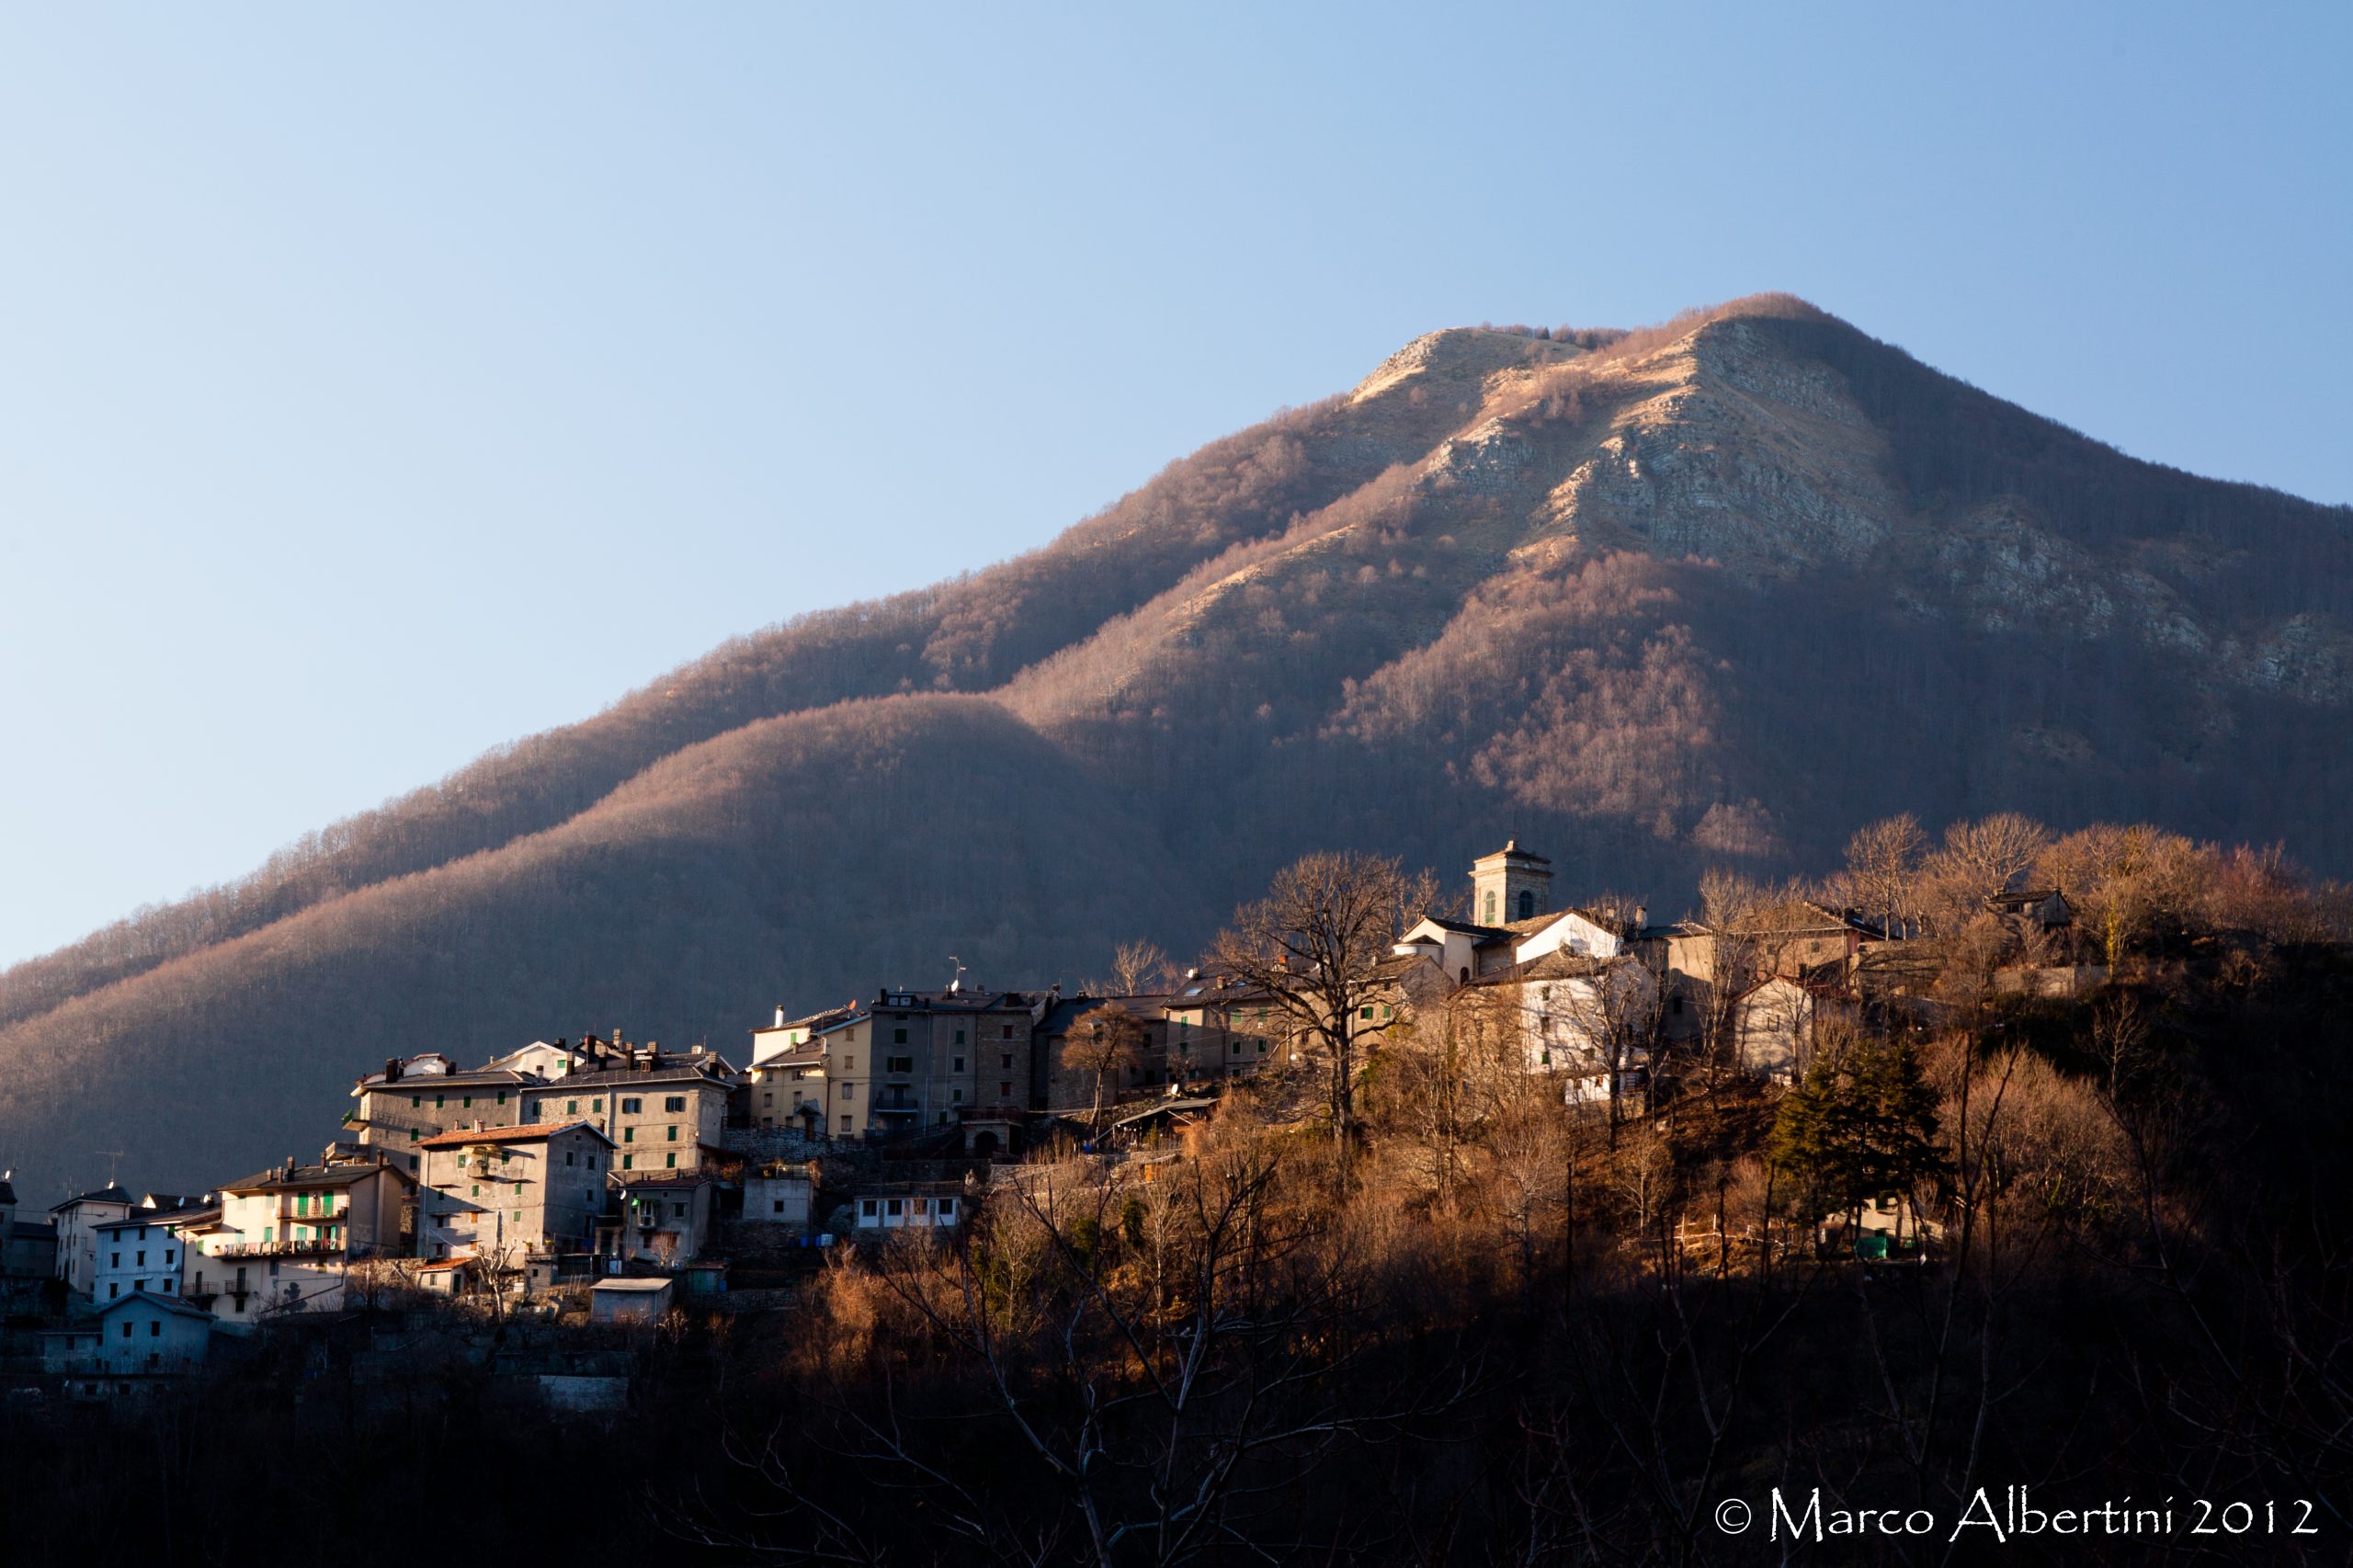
x,y
1698,597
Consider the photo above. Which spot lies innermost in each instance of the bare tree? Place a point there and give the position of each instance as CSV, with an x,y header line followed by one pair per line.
x,y
1107,1040
1138,966
1883,864
1314,945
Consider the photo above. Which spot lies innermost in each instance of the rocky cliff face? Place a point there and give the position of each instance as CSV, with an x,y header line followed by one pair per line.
x,y
1711,593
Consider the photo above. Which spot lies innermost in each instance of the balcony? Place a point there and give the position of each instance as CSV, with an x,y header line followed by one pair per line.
x,y
313,1248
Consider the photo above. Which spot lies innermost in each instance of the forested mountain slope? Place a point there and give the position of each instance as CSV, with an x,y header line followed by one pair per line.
x,y
1708,593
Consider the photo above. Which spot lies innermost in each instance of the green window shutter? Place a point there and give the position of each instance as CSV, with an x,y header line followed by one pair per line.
x,y
671,1160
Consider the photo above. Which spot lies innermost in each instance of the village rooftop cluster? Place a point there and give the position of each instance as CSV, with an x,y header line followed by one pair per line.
x,y
638,1177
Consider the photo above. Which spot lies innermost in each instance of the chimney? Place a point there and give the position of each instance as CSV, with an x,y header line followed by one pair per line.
x,y
1641,916
780,1016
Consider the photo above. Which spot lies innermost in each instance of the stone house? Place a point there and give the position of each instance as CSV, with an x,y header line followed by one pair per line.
x,y
664,1110
147,1334
1217,1028
780,1195
290,1238
666,1220
408,1101
141,1252
911,1059
1567,1014
503,1194
1067,1087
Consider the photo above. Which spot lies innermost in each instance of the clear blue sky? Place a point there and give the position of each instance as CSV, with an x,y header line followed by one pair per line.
x,y
378,387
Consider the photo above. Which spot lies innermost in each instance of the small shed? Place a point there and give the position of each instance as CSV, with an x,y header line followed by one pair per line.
x,y
629,1301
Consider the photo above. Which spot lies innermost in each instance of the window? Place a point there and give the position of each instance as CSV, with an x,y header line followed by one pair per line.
x,y
958,1066
677,1211
1365,1011
114,1289
126,1331
265,1230
629,1161
956,1096
1005,1059
846,1091
673,1135
631,1107
892,1206
519,1190
570,1156
571,1108
169,1258
597,1104
898,1037
467,1103
415,1101
780,1205
413,1134
155,1329
849,1063
439,1101
947,1208
502,1097
1005,1091
900,1064
1527,904
845,1124
118,1261
629,1134
1008,1034
670,1161
477,1190
143,1257
676,1102
866,1207
960,1036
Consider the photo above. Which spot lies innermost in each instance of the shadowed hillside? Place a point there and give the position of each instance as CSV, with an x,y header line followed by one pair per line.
x,y
1708,593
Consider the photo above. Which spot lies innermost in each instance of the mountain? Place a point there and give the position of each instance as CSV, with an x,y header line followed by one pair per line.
x,y
1708,593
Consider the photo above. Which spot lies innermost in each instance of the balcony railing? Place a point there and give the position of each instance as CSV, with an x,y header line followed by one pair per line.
x,y
312,1247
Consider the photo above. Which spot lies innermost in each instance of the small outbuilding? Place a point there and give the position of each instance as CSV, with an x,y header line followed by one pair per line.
x,y
629,1301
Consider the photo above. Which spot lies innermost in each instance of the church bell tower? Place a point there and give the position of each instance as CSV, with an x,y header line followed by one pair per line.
x,y
1511,884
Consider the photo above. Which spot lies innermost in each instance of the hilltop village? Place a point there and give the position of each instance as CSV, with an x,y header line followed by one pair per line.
x,y
618,1181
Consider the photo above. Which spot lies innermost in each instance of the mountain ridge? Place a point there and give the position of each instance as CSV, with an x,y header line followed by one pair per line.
x,y
1613,589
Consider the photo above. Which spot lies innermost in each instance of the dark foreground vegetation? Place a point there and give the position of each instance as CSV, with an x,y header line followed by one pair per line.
x,y
1486,1328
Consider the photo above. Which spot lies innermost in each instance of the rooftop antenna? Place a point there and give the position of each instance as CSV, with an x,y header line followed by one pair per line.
x,y
956,981
112,1155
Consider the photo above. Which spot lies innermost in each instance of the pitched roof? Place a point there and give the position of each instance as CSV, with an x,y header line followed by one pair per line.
x,y
107,1194
278,1178
530,1134
693,1071
175,1305
473,1078
1555,965
1460,927
186,1214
